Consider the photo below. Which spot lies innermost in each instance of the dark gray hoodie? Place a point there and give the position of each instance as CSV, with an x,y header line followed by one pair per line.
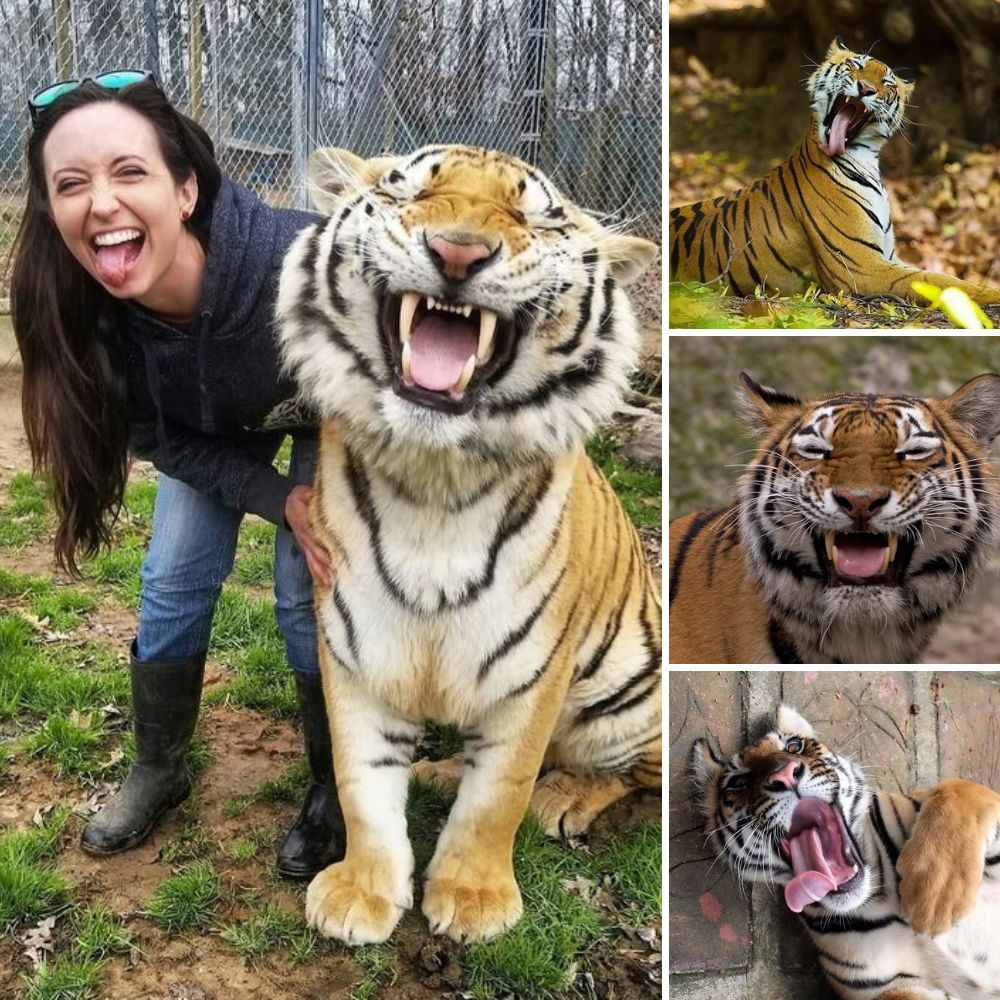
x,y
209,405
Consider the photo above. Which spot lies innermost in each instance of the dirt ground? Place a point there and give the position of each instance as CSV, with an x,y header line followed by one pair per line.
x,y
246,749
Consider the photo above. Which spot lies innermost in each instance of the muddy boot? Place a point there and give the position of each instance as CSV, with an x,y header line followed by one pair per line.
x,y
317,838
165,698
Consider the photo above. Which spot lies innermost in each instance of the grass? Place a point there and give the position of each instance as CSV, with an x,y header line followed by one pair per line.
x,y
640,491
378,965
25,514
100,934
30,888
253,842
64,979
634,863
187,899
268,928
255,555
69,742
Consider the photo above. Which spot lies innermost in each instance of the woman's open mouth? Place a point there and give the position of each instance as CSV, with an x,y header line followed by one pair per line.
x,y
115,254
443,351
847,117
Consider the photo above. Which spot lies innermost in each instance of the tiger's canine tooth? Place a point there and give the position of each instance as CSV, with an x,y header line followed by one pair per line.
x,y
406,362
828,537
407,309
487,327
466,377
893,544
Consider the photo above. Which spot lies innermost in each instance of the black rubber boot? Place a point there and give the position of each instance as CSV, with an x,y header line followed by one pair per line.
x,y
165,699
317,838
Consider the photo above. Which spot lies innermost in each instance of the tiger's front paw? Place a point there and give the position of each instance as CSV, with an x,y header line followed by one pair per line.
x,y
356,901
566,804
471,902
941,864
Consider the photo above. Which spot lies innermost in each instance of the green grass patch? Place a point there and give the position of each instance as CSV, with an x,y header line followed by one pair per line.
x,y
426,811
30,889
695,306
255,840
290,787
537,956
193,843
25,517
378,965
640,491
269,928
100,934
68,742
21,585
187,899
140,499
634,863
64,979
62,608
255,554
120,567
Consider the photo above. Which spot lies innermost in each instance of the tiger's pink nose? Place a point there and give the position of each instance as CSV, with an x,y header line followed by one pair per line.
x,y
865,89
787,776
457,255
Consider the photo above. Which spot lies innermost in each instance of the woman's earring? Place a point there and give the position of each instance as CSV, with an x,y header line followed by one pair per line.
x,y
185,214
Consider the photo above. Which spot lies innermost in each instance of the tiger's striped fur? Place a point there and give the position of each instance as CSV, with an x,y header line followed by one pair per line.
x,y
757,582
866,945
485,574
822,216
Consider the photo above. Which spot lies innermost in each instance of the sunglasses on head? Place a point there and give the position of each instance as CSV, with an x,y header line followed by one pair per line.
x,y
115,80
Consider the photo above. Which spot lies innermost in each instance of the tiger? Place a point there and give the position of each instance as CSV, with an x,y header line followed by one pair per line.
x,y
899,892
822,216
860,520
461,328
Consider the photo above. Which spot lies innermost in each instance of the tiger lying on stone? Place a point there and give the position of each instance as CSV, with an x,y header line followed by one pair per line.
x,y
822,216
462,327
900,893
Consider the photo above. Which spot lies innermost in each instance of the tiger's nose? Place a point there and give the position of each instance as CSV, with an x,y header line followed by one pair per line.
x,y
865,89
786,777
859,505
459,255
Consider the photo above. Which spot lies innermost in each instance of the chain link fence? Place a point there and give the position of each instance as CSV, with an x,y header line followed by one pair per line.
x,y
570,85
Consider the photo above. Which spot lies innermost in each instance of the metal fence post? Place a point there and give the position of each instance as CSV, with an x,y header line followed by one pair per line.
x,y
533,95
152,33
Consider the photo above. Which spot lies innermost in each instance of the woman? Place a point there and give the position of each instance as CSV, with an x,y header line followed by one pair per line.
x,y
142,295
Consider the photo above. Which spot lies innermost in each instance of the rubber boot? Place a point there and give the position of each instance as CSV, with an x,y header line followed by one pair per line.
x,y
317,838
165,699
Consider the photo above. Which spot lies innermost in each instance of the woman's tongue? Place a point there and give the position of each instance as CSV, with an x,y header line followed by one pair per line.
x,y
114,262
439,350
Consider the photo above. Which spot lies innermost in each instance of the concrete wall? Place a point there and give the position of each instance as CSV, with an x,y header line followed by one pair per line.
x,y
908,730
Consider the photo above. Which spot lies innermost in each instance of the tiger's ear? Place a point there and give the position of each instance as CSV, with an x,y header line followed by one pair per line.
x,y
629,256
788,720
905,74
333,171
975,406
837,46
764,407
704,767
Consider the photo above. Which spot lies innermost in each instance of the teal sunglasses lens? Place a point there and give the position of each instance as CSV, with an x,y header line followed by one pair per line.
x,y
45,97
115,81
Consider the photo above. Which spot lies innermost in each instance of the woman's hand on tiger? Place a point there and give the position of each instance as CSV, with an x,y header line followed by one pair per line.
x,y
315,552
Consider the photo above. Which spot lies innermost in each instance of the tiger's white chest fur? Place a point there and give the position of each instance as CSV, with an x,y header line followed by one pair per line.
x,y
422,581
860,169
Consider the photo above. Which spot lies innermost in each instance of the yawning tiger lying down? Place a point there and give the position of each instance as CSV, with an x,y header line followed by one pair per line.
x,y
463,328
788,811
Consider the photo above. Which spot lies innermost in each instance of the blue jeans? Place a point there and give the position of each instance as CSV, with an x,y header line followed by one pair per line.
x,y
190,555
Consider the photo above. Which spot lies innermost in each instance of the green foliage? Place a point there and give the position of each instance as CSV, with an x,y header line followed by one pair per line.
x,y
62,608
634,861
697,307
255,554
641,492
253,841
30,888
120,567
99,934
140,499
187,899
68,742
193,843
378,965
64,979
269,928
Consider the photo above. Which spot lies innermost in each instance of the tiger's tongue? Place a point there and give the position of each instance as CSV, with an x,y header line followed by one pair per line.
x,y
859,557
113,262
813,879
439,349
836,141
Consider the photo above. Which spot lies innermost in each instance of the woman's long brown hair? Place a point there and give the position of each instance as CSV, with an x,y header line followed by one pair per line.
x,y
67,329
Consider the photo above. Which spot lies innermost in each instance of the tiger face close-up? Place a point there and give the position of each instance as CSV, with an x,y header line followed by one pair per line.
x,y
789,812
462,328
859,522
822,216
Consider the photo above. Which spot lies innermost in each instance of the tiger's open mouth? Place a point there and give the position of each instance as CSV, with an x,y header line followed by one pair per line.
x,y
822,853
846,118
443,352
860,558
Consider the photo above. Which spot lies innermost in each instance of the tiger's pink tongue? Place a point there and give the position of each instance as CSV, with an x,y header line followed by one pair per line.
x,y
113,262
439,349
836,141
813,879
858,558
